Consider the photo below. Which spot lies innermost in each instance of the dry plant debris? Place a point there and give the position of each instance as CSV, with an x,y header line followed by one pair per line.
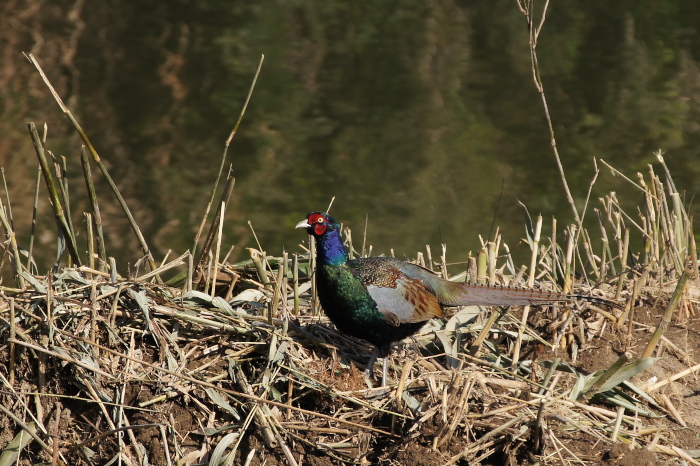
x,y
98,370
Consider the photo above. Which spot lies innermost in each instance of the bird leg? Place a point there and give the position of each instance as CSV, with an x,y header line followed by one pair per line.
x,y
385,370
377,352
369,369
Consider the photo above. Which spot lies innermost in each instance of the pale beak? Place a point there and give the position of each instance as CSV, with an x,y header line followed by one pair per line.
x,y
303,224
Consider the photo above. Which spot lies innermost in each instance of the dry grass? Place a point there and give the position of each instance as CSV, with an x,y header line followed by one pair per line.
x,y
100,369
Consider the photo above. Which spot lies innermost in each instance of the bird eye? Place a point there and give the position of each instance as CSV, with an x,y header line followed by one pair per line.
x,y
320,220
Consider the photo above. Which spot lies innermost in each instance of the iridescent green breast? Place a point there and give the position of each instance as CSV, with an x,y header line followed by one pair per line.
x,y
348,304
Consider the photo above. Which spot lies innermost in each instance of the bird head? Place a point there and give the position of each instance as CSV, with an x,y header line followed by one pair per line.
x,y
318,224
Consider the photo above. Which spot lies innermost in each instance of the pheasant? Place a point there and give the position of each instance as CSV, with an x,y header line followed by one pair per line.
x,y
384,300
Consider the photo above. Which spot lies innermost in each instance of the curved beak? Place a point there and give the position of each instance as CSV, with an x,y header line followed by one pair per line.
x,y
303,224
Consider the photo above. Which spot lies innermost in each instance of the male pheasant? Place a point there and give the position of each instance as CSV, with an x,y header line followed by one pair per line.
x,y
383,300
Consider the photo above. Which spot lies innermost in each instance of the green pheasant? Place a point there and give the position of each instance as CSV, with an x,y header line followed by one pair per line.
x,y
383,300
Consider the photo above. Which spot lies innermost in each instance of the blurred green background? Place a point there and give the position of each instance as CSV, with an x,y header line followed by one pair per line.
x,y
421,115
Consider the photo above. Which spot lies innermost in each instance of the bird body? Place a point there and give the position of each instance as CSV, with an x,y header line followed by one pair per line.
x,y
383,300
372,299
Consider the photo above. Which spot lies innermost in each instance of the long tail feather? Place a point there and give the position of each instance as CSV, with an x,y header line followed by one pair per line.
x,y
461,294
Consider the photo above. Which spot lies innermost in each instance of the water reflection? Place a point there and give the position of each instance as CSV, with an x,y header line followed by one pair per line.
x,y
422,115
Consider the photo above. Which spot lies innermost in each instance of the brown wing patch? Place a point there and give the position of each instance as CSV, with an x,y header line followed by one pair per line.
x,y
425,303
419,302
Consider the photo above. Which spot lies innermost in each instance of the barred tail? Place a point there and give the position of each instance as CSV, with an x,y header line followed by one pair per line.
x,y
461,294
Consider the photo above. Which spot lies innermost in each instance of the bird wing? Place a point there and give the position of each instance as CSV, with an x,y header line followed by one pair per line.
x,y
415,294
401,298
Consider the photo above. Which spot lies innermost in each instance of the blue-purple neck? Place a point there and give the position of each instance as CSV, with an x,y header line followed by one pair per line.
x,y
331,250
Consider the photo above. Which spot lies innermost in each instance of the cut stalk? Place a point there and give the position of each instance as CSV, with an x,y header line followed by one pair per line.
x,y
206,247
295,278
95,207
90,239
34,214
52,186
530,284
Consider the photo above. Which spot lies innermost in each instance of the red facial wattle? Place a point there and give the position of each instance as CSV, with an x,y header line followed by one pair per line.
x,y
317,218
319,223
